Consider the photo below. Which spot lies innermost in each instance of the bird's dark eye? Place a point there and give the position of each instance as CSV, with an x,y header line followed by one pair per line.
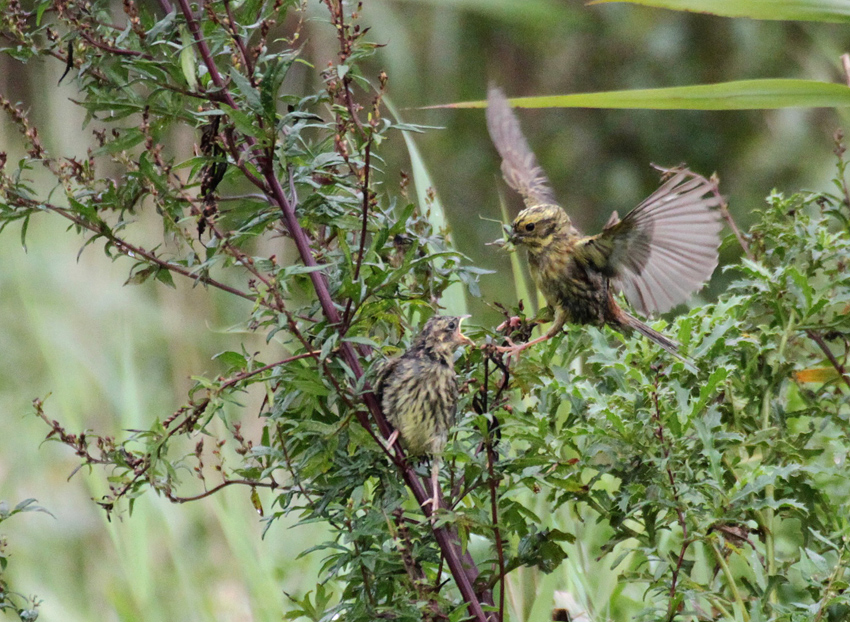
x,y
452,325
529,226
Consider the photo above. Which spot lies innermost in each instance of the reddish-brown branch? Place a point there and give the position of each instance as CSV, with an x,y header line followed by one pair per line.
x,y
487,407
366,200
291,469
839,368
138,465
246,58
133,251
236,154
364,571
462,568
243,376
114,50
347,315
727,216
206,53
248,263
659,433
244,482
338,19
494,499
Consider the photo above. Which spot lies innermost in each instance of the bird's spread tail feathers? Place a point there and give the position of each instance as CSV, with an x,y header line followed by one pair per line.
x,y
669,345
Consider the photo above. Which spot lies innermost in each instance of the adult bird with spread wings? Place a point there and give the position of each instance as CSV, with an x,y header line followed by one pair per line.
x,y
657,255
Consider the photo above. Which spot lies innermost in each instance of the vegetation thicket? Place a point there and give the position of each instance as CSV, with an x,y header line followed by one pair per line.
x,y
656,492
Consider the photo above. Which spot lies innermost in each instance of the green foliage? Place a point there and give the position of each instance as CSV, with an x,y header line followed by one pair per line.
x,y
370,265
720,494
721,489
25,607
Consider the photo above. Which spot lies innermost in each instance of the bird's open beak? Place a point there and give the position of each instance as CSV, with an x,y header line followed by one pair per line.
x,y
460,336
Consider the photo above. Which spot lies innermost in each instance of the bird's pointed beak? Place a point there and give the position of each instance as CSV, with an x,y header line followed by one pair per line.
x,y
508,241
460,336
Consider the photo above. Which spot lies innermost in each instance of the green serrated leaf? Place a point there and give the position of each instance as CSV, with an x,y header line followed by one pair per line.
x,y
233,360
251,95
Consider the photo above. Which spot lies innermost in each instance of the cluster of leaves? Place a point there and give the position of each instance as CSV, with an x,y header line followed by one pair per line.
x,y
722,492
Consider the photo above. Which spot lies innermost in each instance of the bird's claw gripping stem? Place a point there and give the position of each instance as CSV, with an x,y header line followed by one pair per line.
x,y
392,439
512,322
513,350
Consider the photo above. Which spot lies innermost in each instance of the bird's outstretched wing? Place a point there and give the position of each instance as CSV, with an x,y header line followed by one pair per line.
x,y
666,248
519,165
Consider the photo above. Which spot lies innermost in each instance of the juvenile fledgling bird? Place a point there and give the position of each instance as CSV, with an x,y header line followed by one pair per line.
x,y
657,255
418,392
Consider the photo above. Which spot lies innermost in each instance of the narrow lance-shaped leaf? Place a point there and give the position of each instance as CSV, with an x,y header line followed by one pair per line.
x,y
738,95
804,10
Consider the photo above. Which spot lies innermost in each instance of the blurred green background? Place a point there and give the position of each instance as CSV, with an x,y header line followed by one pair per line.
x,y
115,357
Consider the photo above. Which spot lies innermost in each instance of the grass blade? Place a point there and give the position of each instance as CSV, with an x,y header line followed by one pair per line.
x,y
738,95
804,10
523,291
454,299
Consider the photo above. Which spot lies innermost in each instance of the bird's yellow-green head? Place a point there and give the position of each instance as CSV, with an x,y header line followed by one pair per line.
x,y
442,335
536,227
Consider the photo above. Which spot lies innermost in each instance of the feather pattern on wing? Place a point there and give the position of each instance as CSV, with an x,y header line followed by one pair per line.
x,y
383,371
666,248
519,165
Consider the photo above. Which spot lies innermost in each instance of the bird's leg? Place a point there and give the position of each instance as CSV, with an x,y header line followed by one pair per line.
x,y
515,349
435,484
392,439
434,501
516,321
